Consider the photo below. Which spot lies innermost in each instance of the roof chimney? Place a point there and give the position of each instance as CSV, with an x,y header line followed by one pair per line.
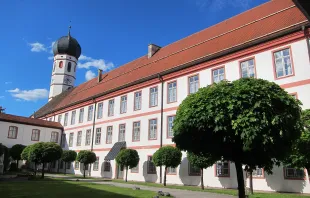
x,y
152,50
99,75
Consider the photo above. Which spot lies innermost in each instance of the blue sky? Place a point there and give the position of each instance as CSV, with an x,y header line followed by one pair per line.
x,y
110,32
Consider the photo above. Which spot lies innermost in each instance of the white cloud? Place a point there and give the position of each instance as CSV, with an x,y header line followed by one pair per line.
x,y
50,58
89,75
87,62
29,95
51,47
7,82
37,47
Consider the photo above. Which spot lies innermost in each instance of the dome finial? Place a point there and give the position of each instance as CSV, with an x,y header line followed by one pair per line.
x,y
69,30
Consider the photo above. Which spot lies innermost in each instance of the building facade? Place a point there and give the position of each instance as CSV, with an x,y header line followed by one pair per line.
x,y
134,105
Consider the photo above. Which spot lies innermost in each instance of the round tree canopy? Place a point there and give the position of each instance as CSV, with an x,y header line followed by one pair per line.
x,y
128,157
86,157
167,156
68,156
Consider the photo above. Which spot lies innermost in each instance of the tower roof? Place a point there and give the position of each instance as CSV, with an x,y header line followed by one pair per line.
x,y
67,45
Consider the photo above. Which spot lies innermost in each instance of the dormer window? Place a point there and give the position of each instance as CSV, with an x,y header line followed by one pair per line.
x,y
69,67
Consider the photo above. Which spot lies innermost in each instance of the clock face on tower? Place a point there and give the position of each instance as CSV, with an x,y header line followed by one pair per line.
x,y
68,80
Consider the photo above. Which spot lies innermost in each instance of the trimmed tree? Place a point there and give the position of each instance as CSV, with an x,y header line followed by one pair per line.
x,y
86,157
16,152
35,154
51,152
300,156
167,156
249,121
127,158
68,156
201,161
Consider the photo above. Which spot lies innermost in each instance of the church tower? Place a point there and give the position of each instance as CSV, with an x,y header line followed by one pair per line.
x,y
66,51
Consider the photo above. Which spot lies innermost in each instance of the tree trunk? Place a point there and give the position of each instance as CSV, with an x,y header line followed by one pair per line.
x,y
126,173
240,179
251,182
201,180
42,176
35,169
65,167
17,164
84,171
165,175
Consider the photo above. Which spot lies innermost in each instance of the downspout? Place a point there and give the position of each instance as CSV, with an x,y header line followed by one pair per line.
x,y
61,135
161,119
92,140
307,39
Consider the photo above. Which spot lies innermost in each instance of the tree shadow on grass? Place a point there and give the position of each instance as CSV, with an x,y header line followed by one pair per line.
x,y
59,188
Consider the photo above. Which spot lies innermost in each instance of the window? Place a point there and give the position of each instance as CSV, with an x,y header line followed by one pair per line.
x,y
109,134
71,139
59,118
293,173
151,169
63,140
137,100
258,172
61,164
98,136
87,139
68,165
106,166
61,64
66,119
12,134
172,92
35,136
90,113
100,109
111,108
123,104
193,170
218,74
69,67
79,138
171,171
96,164
283,63
193,82
50,119
247,68
121,133
54,136
73,117
153,129
81,116
153,96
74,68
170,125
136,132
135,169
76,165
222,169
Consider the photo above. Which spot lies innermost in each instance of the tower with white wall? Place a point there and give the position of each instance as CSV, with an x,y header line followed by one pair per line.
x,y
66,51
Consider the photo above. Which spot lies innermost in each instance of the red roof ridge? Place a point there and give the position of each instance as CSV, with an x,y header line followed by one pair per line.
x,y
184,49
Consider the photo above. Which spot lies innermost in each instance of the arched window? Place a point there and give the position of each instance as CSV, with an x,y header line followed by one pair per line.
x,y
69,67
60,64
74,68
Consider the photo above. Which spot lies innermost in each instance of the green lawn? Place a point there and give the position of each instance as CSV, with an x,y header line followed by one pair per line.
x,y
58,189
220,191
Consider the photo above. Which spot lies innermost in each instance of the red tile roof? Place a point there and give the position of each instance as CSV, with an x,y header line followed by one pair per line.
x,y
257,23
29,121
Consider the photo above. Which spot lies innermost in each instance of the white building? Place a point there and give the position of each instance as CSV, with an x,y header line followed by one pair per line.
x,y
27,131
134,105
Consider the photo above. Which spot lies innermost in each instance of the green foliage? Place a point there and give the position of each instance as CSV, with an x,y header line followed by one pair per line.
x,y
86,157
300,156
35,154
201,161
167,156
128,158
25,154
16,151
68,156
6,160
51,152
252,121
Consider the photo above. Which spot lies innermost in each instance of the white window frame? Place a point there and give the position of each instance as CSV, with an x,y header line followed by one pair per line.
x,y
63,140
81,115
109,134
171,171
172,92
279,63
90,112
79,138
136,131
170,120
153,129
73,113
96,164
35,136
258,172
193,170
153,96
66,119
54,136
76,165
100,110
59,118
151,168
218,74
123,104
111,107
193,84
71,136
137,100
122,133
88,137
221,170
247,68
295,175
98,136
13,131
